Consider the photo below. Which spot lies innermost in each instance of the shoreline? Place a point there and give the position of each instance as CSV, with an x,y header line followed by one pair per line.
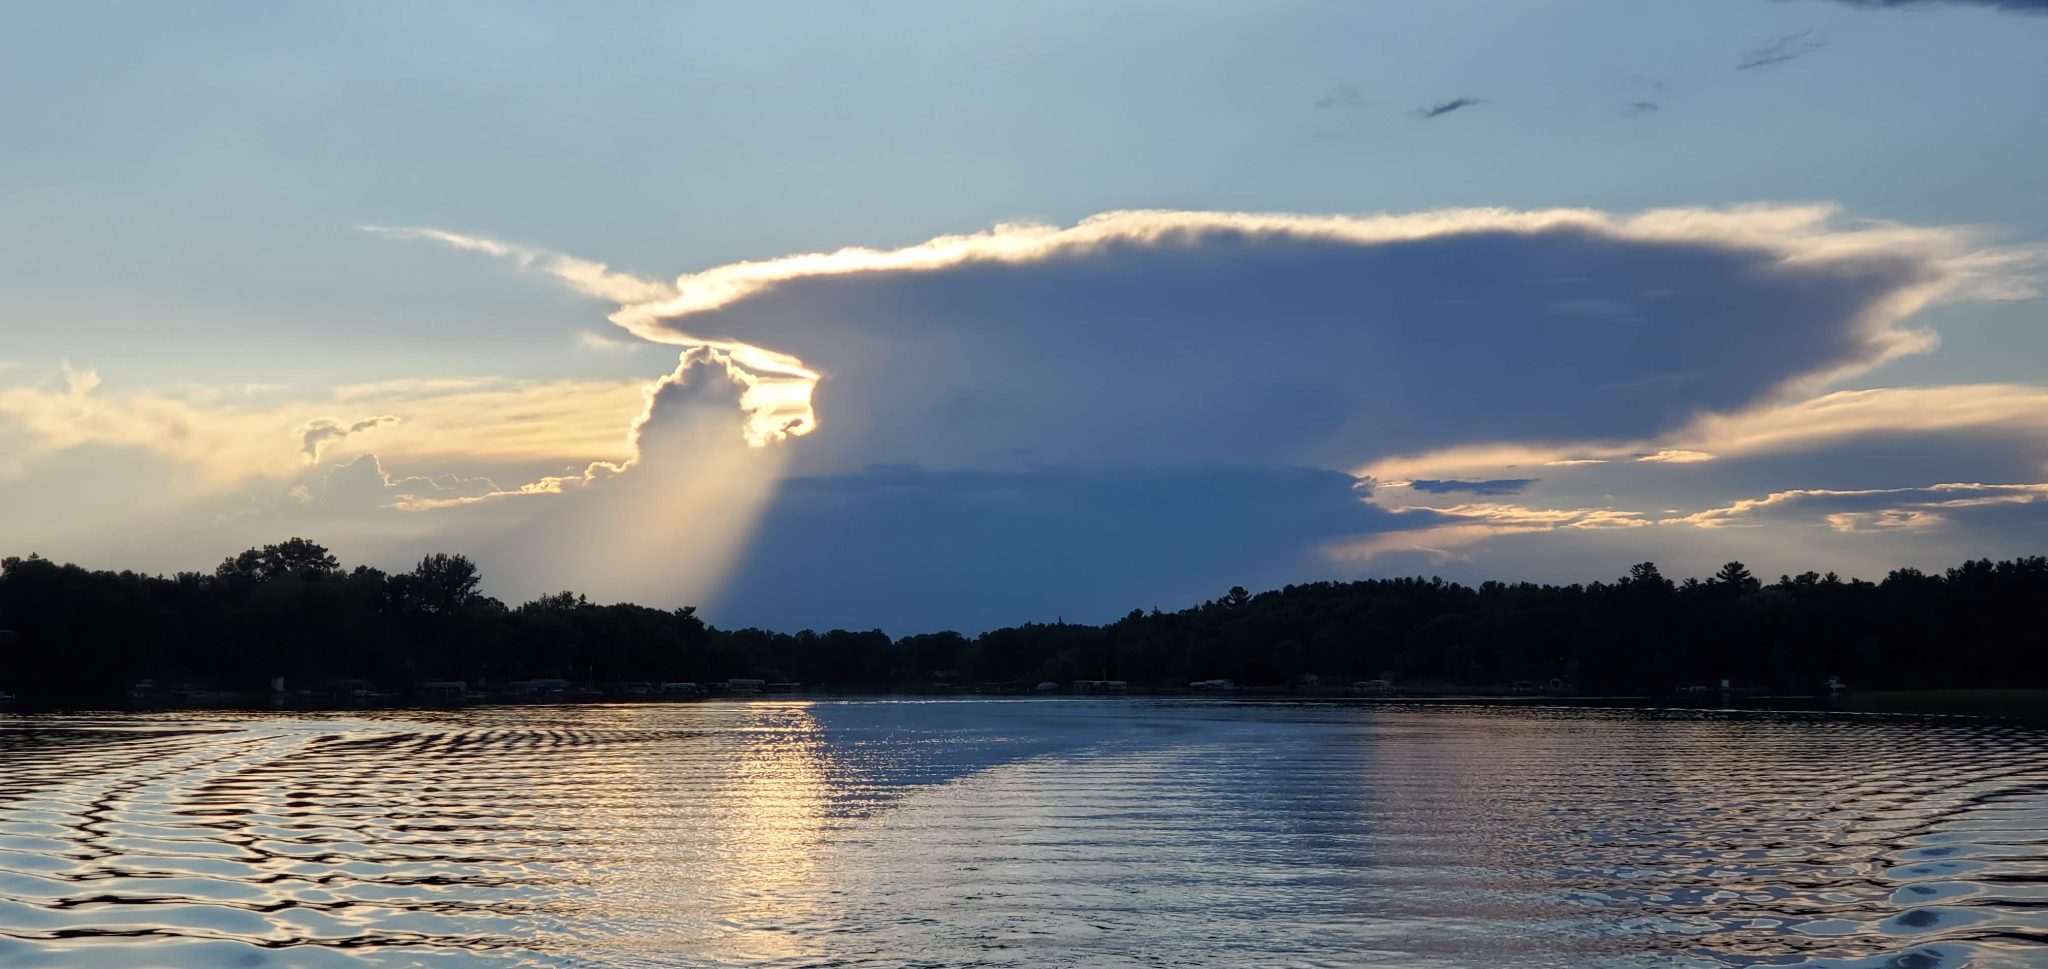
x,y
2001,704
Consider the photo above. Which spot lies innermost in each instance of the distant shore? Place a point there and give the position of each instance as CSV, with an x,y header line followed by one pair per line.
x,y
286,626
2021,705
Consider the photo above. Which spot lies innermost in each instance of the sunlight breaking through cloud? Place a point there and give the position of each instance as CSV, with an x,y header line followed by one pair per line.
x,y
779,385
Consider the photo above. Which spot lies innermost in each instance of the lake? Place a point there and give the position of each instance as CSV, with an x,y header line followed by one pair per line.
x,y
1022,833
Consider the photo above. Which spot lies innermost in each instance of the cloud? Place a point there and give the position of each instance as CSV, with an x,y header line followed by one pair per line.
x,y
1845,464
593,279
226,440
1879,509
664,527
320,431
226,444
1636,109
1675,456
363,483
780,384
1496,486
1841,478
1934,522
758,404
2011,411
1454,104
1781,49
1462,525
1344,97
1076,345
1046,361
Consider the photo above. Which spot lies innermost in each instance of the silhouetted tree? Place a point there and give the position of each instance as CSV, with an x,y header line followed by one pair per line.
x,y
83,637
441,583
1736,576
292,558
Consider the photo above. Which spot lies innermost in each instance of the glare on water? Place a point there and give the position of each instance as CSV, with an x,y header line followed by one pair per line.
x,y
1022,833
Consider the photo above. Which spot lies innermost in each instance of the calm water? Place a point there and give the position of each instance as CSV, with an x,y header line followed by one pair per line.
x,y
1028,833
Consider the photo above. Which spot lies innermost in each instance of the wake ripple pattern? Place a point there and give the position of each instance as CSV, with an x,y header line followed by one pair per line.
x,y
1026,833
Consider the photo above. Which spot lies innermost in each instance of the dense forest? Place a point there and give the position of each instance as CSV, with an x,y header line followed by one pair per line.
x,y
69,636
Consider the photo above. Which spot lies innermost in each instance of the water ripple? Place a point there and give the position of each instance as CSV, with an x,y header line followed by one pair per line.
x,y
1023,833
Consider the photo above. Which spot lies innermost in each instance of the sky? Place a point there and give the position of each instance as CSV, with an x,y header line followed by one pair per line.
x,y
939,315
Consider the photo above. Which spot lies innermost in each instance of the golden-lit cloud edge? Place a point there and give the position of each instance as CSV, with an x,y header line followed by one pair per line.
x,y
1768,429
1844,511
1996,411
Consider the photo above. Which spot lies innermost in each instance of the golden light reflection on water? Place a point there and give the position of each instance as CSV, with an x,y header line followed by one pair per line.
x,y
712,842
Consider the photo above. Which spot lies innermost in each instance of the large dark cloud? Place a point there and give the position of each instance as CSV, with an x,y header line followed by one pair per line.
x,y
1216,346
905,549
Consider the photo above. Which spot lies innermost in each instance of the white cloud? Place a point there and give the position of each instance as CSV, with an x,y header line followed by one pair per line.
x,y
1872,508
1675,456
589,278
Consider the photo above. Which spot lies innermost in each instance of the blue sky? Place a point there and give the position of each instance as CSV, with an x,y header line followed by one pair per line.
x,y
186,286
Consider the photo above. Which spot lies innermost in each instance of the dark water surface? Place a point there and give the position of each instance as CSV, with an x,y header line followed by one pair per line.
x,y
1026,833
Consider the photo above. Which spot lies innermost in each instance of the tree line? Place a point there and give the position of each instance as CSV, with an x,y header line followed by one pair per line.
x,y
72,636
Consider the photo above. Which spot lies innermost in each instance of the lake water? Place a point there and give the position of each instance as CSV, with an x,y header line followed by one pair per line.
x,y
1023,833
